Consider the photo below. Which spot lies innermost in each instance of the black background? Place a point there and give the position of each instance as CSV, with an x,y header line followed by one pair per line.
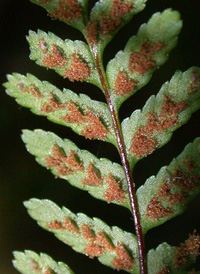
x,y
22,178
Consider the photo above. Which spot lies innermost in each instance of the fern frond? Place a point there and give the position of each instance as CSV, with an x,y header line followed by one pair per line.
x,y
132,68
162,197
152,127
100,177
86,117
70,59
29,262
92,237
165,196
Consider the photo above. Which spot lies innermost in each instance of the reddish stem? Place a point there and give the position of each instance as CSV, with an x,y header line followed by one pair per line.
x,y
124,159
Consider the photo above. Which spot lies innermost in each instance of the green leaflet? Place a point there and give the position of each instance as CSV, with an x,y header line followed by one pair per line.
x,y
29,262
86,117
100,177
107,17
132,68
71,12
152,127
169,259
71,60
165,196
112,246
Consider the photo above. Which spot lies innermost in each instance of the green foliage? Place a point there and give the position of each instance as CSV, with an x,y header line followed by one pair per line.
x,y
85,116
166,195
108,16
31,263
112,246
160,198
142,55
170,259
70,59
100,177
72,12
151,128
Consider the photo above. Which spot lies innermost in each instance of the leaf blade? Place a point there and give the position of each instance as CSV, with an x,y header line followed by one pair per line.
x,y
112,246
73,12
132,68
29,262
170,259
107,17
70,59
152,127
165,196
100,177
86,117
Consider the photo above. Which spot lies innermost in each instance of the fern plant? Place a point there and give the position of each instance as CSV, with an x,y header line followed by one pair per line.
x,y
163,196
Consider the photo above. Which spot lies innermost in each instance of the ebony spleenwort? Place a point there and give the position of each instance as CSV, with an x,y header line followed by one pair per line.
x,y
160,198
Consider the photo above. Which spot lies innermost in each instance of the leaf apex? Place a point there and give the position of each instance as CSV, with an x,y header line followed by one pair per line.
x,y
25,134
31,202
16,253
26,203
9,78
30,33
